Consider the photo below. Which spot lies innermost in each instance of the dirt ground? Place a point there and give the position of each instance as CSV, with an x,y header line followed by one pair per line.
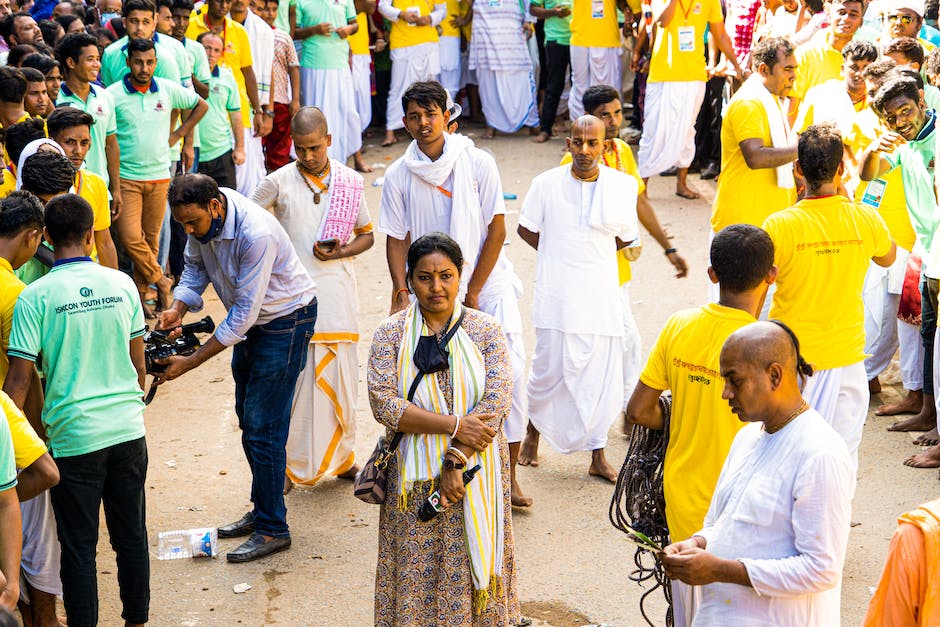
x,y
572,564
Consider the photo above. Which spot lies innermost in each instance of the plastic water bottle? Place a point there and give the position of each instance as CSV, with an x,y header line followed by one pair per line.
x,y
432,507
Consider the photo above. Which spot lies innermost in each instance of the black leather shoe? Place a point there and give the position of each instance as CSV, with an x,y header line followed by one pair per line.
x,y
711,171
255,548
242,527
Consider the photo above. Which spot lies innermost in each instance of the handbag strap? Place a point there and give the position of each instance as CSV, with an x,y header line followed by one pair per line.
x,y
414,384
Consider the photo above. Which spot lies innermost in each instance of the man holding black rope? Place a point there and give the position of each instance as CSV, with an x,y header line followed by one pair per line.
x,y
271,300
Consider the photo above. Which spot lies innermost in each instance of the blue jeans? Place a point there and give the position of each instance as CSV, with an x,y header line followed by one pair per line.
x,y
265,367
928,326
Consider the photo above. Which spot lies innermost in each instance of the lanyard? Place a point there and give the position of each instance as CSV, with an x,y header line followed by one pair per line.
x,y
685,10
444,191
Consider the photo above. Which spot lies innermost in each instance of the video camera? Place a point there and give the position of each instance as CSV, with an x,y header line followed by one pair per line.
x,y
158,346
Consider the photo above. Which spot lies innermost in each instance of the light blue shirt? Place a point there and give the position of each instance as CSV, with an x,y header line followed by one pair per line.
x,y
251,264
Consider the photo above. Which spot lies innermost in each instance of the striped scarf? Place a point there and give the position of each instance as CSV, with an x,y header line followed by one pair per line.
x,y
421,455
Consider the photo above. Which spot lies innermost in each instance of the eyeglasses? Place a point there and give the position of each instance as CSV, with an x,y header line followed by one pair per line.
x,y
904,19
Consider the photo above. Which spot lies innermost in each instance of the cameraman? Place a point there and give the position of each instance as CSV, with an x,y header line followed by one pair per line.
x,y
272,307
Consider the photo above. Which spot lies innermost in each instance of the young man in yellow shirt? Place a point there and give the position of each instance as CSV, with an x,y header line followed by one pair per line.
x,y
675,87
594,47
824,236
685,360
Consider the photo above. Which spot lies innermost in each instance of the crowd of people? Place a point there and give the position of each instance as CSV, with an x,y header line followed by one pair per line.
x,y
154,148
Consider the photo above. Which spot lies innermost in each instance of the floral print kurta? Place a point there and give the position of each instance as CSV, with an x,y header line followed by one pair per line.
x,y
423,572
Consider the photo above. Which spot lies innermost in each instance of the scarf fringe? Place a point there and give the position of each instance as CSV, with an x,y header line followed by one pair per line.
x,y
482,598
406,497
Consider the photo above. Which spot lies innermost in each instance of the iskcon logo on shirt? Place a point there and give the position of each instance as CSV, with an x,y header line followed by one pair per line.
x,y
697,8
159,106
100,110
85,292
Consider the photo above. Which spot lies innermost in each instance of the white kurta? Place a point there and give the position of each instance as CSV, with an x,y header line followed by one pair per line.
x,y
322,433
782,507
576,386
410,206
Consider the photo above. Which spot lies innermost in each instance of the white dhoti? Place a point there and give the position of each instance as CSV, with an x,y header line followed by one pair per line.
x,y
322,435
508,99
451,70
841,396
576,388
668,125
250,174
912,355
593,66
39,564
632,347
410,65
362,86
685,600
332,92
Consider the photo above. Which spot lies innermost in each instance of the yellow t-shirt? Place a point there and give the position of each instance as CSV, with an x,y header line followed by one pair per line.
x,y
685,361
10,288
743,195
359,42
236,53
679,49
823,247
27,445
454,8
594,24
404,34
620,158
816,62
886,193
7,182
92,188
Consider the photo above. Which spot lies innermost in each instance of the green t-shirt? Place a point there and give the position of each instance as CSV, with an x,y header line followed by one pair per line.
x,y
557,29
7,457
101,107
323,52
916,159
200,69
143,122
215,128
114,62
80,318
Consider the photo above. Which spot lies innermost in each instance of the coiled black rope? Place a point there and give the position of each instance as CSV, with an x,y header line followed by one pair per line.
x,y
638,503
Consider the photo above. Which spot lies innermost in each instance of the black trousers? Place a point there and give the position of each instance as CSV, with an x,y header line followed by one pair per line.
x,y
558,59
116,476
221,169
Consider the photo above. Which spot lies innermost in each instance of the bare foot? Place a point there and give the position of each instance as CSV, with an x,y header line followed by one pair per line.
x,y
931,438
529,453
534,130
490,133
390,138
920,422
687,192
874,386
164,293
600,467
288,485
518,498
928,459
541,138
351,473
912,404
360,164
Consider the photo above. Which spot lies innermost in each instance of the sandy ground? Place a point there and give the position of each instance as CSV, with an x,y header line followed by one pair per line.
x,y
572,564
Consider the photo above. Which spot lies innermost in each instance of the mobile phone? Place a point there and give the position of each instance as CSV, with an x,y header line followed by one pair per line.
x,y
327,244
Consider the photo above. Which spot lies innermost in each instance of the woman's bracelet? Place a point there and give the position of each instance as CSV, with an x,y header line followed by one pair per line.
x,y
399,291
456,428
456,452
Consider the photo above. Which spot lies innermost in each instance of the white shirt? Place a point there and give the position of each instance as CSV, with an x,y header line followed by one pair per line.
x,y
781,507
576,284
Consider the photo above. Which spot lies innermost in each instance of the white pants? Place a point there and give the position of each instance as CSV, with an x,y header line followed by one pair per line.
x,y
685,600
41,551
576,388
668,124
410,65
249,175
841,396
589,67
332,92
451,70
632,346
508,99
362,85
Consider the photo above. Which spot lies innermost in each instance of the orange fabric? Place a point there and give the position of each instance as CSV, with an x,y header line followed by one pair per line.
x,y
907,595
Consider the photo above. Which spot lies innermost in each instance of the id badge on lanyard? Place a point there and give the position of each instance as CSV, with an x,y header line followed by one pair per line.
x,y
686,39
597,9
874,193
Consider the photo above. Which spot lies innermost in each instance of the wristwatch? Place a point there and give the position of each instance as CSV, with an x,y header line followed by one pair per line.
x,y
450,464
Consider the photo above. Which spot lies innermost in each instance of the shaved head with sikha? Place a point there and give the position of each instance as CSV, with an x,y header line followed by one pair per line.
x,y
311,137
586,144
588,126
761,366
